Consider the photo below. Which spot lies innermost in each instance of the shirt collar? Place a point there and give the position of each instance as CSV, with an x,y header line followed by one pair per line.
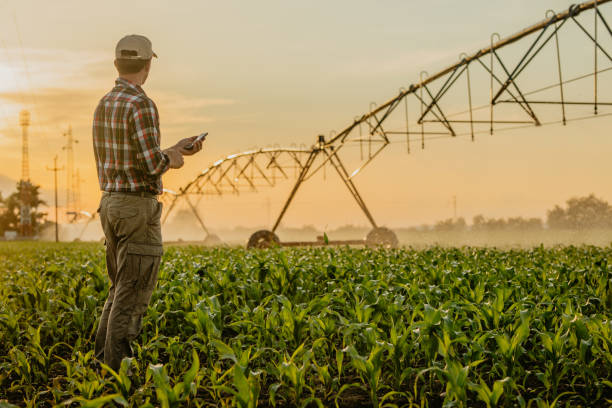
x,y
127,84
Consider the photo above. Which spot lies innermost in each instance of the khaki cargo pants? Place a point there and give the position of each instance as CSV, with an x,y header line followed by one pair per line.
x,y
132,228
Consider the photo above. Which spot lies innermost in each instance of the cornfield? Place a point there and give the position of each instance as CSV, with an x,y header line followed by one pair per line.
x,y
345,327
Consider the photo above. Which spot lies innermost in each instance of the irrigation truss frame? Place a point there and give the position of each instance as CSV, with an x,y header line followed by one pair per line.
x,y
254,169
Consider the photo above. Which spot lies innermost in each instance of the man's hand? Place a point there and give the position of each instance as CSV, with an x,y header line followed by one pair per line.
x,y
175,156
180,146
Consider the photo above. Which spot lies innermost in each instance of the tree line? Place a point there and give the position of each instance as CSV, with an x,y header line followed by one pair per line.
x,y
579,213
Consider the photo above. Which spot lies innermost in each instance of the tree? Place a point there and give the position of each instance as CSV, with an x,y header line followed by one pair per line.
x,y
451,225
557,218
480,223
28,194
521,224
581,213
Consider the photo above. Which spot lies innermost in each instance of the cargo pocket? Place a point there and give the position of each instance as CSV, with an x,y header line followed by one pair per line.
x,y
154,224
144,261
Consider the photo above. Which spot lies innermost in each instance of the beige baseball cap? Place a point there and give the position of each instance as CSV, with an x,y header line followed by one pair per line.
x,y
134,47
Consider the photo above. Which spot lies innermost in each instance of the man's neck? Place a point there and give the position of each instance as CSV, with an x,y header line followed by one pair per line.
x,y
135,79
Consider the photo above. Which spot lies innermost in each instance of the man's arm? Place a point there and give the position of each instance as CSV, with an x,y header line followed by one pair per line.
x,y
146,137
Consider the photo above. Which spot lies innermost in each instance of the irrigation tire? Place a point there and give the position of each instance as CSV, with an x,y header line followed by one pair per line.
x,y
263,239
382,237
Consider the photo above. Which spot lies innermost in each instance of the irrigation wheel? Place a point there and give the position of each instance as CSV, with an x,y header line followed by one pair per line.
x,y
381,237
263,239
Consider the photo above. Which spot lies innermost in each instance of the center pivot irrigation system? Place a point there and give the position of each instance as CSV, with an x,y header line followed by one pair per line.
x,y
555,66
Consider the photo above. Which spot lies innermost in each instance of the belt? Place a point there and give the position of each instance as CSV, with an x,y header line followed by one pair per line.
x,y
144,194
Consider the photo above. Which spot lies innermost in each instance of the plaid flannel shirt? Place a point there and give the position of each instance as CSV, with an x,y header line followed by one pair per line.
x,y
126,141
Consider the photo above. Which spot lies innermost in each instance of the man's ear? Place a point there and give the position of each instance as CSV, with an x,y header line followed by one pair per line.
x,y
115,62
148,66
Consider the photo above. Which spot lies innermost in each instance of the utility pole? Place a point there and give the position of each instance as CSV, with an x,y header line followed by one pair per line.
x,y
24,121
70,181
25,216
55,169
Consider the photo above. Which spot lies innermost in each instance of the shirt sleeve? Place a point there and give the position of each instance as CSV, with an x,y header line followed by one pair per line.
x,y
146,138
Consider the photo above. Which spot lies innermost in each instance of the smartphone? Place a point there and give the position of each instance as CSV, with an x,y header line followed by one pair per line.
x,y
200,138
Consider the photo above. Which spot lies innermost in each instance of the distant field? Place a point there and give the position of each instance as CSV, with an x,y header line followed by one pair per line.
x,y
409,237
423,239
316,327
507,239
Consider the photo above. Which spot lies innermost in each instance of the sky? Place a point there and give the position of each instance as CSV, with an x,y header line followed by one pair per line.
x,y
256,74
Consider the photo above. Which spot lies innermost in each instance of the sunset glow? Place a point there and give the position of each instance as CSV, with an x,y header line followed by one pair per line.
x,y
255,75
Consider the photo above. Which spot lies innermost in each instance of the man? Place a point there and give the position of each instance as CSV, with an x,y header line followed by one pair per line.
x,y
130,164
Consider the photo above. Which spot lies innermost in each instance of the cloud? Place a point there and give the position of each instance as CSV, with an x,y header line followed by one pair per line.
x,y
179,112
180,102
401,63
32,69
63,86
